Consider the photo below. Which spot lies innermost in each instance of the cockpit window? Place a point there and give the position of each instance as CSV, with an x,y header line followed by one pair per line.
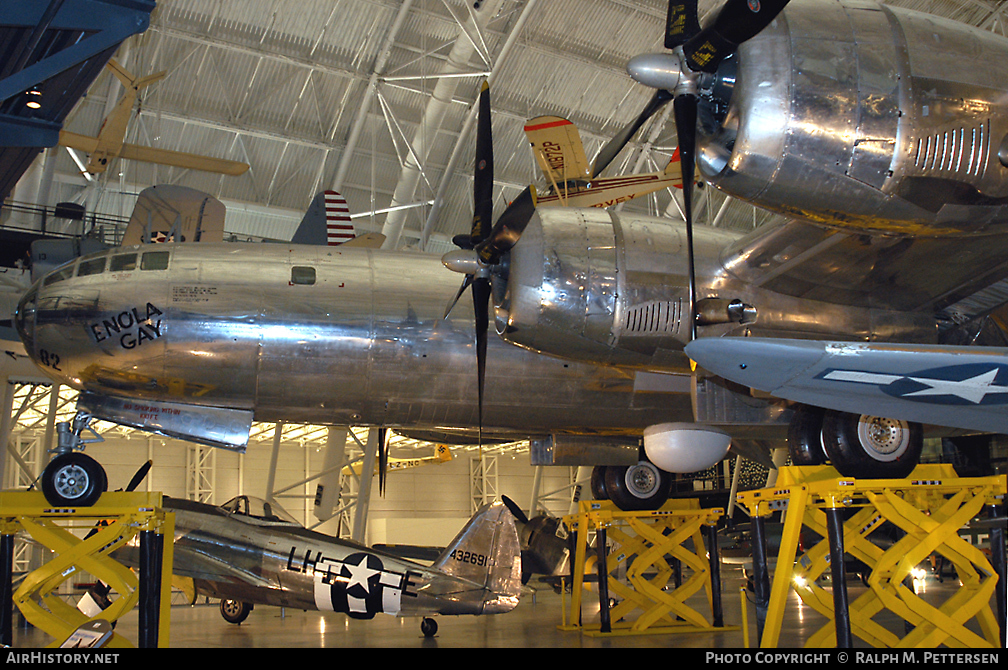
x,y
257,508
154,260
123,263
59,275
91,266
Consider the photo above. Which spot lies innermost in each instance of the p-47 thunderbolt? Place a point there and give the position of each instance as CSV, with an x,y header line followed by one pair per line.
x,y
250,552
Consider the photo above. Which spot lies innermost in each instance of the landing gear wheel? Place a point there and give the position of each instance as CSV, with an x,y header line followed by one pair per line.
x,y
598,483
428,627
637,487
235,611
871,447
73,480
805,437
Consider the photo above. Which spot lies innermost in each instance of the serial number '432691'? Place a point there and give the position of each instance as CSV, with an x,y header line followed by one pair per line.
x,y
469,557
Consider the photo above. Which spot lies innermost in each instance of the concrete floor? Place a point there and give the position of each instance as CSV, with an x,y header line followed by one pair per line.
x,y
535,623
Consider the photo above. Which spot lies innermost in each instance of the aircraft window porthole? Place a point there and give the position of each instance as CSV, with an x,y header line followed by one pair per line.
x,y
302,275
123,263
154,260
93,266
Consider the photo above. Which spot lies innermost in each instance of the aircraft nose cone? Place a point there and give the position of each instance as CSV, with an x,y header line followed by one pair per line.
x,y
24,319
658,70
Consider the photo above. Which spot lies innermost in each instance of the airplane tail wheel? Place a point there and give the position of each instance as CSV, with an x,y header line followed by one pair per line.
x,y
428,627
235,611
598,483
871,447
73,480
805,437
637,487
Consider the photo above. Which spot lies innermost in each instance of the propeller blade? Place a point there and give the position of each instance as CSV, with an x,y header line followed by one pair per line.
x,y
481,307
681,22
462,288
517,511
139,476
382,459
685,110
509,227
616,144
483,175
738,21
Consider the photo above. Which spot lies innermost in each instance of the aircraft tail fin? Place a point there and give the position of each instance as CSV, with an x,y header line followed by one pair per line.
x,y
443,453
674,166
327,221
487,551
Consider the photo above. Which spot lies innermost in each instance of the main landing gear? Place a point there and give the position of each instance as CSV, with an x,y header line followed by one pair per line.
x,y
857,445
632,488
72,479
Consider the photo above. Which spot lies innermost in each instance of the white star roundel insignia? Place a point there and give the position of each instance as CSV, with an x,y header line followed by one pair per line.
x,y
968,384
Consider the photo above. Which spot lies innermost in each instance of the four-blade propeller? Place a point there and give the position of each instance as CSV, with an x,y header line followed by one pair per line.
x,y
482,249
694,52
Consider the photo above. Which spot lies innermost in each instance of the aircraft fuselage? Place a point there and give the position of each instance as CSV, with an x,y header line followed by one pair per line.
x,y
312,334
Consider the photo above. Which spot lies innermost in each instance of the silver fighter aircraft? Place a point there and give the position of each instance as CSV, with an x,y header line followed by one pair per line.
x,y
250,552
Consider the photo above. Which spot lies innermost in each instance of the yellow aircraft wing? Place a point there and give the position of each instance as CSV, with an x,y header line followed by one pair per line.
x,y
558,149
609,191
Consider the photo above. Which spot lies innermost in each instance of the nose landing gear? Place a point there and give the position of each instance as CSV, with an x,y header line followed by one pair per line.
x,y
73,479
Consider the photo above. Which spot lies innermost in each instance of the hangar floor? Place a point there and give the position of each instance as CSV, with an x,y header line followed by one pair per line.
x,y
533,624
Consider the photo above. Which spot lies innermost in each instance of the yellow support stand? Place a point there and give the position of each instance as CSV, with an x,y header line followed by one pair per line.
x,y
930,507
116,518
643,542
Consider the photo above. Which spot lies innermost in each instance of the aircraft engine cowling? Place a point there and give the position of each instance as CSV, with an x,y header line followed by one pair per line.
x,y
864,116
588,285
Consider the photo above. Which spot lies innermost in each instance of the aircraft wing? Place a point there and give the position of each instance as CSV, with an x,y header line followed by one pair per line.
x,y
900,272
558,149
953,386
183,160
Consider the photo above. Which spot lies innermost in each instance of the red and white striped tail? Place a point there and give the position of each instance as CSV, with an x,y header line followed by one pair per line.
x,y
338,226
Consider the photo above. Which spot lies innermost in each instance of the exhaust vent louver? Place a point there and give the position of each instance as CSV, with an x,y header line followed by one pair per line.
x,y
657,317
957,151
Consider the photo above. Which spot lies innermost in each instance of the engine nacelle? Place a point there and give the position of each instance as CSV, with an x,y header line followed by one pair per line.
x,y
866,116
586,284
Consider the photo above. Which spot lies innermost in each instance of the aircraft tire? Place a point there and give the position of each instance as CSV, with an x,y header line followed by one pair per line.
x,y
598,488
235,611
428,627
644,486
73,480
805,442
871,447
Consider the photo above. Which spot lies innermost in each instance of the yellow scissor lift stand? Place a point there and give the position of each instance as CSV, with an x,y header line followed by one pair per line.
x,y
116,519
930,507
643,543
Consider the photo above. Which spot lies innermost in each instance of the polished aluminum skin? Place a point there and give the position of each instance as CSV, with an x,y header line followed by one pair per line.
x,y
311,334
858,114
252,551
596,286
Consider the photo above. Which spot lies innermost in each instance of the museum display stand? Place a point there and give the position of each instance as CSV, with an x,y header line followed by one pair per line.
x,y
912,519
82,540
651,548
